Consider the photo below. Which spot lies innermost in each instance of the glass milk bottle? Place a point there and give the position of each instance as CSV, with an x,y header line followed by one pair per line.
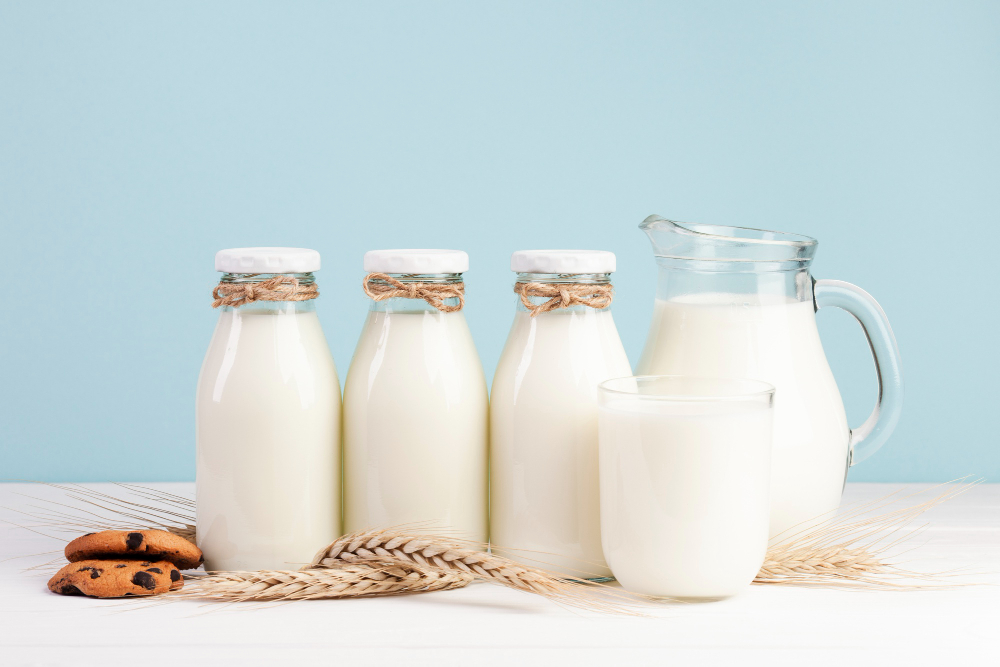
x,y
544,493
268,417
415,401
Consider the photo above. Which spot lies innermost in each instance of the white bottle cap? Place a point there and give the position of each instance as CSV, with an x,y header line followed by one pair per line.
x,y
416,261
562,261
267,260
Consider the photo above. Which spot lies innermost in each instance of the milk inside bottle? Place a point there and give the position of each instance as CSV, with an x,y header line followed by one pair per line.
x,y
544,493
415,402
268,417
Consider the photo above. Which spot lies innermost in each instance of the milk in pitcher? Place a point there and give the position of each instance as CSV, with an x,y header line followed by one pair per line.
x,y
775,339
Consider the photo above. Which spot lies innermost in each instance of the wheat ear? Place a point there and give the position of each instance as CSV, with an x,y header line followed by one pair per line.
x,y
446,555
344,581
853,549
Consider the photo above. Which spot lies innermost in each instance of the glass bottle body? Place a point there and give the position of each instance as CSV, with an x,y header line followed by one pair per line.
x,y
415,420
268,436
544,492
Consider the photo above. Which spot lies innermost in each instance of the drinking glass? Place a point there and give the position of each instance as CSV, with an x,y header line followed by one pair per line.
x,y
685,465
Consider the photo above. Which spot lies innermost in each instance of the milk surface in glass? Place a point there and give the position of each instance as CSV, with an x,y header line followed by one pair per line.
x,y
416,410
268,432
774,339
684,486
544,493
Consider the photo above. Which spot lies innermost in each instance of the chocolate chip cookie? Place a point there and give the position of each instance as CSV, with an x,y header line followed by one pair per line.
x,y
116,578
140,544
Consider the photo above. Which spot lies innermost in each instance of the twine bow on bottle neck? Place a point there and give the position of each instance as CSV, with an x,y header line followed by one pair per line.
x,y
563,295
382,286
278,288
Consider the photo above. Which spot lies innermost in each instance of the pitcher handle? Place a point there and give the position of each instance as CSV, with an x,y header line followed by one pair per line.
x,y
867,438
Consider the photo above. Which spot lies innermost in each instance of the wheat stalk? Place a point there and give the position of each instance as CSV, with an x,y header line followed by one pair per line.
x,y
855,548
799,565
344,581
446,555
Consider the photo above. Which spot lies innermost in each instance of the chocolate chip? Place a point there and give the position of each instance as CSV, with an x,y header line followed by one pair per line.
x,y
133,541
95,574
175,575
155,569
70,590
122,565
85,568
89,534
145,580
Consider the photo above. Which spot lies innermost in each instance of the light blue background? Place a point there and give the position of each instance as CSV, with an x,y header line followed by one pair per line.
x,y
136,139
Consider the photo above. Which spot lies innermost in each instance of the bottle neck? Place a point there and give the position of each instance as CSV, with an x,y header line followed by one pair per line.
x,y
565,278
235,278
407,305
305,280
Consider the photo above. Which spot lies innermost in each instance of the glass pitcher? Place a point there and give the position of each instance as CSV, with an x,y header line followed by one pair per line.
x,y
740,303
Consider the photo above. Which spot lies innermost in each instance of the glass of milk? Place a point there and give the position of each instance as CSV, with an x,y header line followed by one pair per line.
x,y
268,423
544,507
685,465
416,408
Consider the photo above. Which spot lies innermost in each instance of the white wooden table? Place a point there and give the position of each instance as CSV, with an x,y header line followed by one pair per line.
x,y
487,625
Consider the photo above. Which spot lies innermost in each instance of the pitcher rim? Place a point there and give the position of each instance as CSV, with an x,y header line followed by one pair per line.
x,y
790,238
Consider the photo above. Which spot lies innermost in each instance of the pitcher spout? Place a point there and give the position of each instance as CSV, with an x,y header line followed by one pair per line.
x,y
695,241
